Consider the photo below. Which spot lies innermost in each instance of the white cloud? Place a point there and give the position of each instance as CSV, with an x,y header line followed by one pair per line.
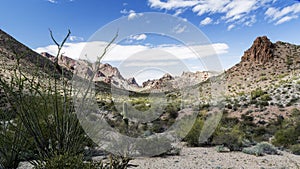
x,y
131,13
52,1
206,21
150,63
132,16
172,4
184,19
285,14
121,52
238,12
230,27
139,37
179,28
286,19
251,21
76,38
178,12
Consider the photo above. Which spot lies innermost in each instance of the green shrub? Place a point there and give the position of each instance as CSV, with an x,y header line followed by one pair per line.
x,y
11,144
295,112
256,93
261,149
295,149
232,138
192,138
67,161
265,97
286,137
63,161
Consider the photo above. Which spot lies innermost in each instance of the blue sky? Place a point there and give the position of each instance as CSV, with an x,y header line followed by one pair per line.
x,y
231,23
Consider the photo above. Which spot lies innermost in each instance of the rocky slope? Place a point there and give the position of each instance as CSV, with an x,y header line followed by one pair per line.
x,y
13,53
263,65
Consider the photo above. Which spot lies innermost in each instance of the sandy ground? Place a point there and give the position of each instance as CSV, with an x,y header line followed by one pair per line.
x,y
209,158
201,158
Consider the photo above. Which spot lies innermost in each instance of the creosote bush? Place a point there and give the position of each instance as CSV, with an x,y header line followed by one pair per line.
x,y
261,149
192,138
231,138
289,132
295,149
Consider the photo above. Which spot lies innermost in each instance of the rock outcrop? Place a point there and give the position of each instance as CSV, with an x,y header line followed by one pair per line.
x,y
261,51
132,81
157,83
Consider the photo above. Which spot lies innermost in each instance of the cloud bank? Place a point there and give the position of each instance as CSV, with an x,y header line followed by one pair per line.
x,y
232,12
121,52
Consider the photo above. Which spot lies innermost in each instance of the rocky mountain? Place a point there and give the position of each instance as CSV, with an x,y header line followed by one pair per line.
x,y
111,75
14,54
11,50
105,73
263,65
261,51
265,85
169,83
260,66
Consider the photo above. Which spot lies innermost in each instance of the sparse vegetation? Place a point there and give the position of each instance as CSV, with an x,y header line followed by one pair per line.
x,y
45,120
261,149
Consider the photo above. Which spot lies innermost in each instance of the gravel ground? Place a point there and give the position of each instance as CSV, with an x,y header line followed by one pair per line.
x,y
209,158
201,158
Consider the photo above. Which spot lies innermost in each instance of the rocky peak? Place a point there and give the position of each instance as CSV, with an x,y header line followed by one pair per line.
x,y
132,81
261,51
167,76
63,61
110,71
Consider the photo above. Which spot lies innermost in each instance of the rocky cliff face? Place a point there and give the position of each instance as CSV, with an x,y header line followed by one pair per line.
x,y
261,51
133,82
263,64
157,83
106,73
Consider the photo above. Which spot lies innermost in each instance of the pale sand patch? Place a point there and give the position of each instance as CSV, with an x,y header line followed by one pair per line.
x,y
201,158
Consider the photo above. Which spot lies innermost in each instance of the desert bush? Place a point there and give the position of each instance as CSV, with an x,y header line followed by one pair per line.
x,y
11,144
261,149
229,121
256,93
289,132
265,98
63,161
232,138
295,149
295,112
66,161
286,137
192,138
